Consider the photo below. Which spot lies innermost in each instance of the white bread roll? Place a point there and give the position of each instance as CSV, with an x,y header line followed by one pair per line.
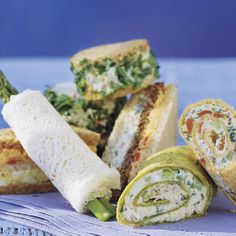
x,y
67,161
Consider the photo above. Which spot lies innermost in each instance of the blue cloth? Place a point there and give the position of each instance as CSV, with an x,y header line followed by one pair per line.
x,y
196,79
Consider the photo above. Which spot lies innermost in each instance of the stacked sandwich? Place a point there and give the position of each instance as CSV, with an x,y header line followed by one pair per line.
x,y
104,75
111,72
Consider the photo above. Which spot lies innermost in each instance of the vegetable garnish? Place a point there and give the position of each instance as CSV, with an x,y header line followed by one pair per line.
x,y
6,89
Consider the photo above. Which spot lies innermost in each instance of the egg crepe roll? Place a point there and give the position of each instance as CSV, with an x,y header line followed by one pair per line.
x,y
171,186
209,128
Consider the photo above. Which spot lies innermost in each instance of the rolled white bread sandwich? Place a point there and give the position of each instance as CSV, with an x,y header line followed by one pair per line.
x,y
77,172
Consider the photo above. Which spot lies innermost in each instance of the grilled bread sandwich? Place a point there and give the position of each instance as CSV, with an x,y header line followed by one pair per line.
x,y
146,124
18,173
114,70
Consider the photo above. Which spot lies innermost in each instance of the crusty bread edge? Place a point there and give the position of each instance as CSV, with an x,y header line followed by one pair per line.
x,y
164,127
28,188
113,50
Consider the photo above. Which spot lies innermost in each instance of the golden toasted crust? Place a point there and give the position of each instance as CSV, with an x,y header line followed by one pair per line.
x,y
28,188
12,152
114,50
92,139
91,96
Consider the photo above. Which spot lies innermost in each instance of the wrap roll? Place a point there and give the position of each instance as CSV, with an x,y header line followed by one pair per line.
x,y
170,187
209,128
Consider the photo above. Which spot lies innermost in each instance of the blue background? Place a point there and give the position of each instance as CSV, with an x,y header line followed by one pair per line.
x,y
175,28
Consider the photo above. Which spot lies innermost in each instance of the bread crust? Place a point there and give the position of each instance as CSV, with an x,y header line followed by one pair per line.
x,y
159,96
28,188
12,153
114,51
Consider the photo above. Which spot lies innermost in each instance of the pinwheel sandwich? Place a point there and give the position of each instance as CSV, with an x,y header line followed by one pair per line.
x,y
209,128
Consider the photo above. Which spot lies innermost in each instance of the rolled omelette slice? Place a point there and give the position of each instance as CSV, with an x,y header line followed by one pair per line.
x,y
170,187
78,173
209,128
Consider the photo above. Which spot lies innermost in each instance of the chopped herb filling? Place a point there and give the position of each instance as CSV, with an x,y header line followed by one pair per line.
x,y
108,76
96,116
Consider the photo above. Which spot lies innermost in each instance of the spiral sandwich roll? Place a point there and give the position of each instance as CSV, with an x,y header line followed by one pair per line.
x,y
209,128
170,187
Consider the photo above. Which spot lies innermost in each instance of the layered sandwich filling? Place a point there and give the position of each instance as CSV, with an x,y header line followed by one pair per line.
x,y
21,173
128,130
109,75
97,116
123,142
211,130
164,195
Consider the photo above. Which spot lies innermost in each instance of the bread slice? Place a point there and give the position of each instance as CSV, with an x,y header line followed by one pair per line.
x,y
115,51
146,125
19,174
114,70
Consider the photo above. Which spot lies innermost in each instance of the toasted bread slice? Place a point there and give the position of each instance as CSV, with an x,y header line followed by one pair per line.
x,y
115,51
114,70
147,124
19,174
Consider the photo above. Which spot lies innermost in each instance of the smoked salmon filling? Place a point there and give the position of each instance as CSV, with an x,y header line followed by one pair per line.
x,y
209,128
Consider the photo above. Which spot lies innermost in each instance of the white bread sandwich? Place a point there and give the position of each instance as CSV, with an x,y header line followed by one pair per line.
x,y
146,125
114,70
19,174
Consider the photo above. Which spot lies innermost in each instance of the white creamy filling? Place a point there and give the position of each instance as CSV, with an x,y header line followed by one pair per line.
x,y
106,79
21,174
68,89
178,208
128,131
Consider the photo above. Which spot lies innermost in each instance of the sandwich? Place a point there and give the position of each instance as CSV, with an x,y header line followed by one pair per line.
x,y
19,174
98,116
114,70
82,178
209,128
146,124
171,186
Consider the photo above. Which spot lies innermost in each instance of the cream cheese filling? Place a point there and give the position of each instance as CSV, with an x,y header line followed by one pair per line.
x,y
104,81
178,195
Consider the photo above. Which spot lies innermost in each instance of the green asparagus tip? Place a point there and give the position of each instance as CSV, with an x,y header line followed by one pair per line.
x,y
101,208
6,89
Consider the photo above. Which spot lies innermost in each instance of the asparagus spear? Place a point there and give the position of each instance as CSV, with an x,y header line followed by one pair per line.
x,y
100,207
6,89
103,211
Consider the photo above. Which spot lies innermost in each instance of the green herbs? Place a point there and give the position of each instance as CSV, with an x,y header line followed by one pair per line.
x,y
168,174
97,116
233,135
6,89
108,76
62,103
